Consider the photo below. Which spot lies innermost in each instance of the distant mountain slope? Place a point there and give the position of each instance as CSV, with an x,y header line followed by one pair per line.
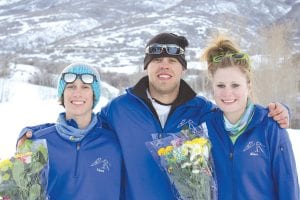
x,y
113,33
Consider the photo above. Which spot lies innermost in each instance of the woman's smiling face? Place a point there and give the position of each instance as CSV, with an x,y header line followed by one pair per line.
x,y
231,91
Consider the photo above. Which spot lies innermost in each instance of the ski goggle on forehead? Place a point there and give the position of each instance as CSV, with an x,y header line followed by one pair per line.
x,y
85,78
234,56
171,49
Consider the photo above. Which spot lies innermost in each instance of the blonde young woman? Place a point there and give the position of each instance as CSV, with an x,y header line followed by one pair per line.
x,y
252,154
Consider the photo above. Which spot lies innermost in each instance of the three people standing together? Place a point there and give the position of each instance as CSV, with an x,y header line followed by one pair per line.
x,y
155,107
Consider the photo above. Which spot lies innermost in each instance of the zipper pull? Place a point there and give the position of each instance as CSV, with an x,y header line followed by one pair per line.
x,y
231,156
78,146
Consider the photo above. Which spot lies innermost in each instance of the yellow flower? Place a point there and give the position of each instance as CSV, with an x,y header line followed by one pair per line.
x,y
161,151
20,177
188,142
21,155
169,149
5,165
164,151
201,141
24,157
5,177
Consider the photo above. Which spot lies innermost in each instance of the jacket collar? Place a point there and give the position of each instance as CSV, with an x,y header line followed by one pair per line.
x,y
259,116
186,93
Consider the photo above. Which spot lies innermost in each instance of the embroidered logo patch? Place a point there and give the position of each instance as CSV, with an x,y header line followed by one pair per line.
x,y
101,165
254,148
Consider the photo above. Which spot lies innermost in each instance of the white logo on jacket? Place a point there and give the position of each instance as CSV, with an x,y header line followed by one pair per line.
x,y
255,148
102,165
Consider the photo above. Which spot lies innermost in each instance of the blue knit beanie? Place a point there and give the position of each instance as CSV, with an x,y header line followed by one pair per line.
x,y
80,68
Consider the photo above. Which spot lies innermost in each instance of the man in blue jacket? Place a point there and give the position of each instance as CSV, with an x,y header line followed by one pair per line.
x,y
159,104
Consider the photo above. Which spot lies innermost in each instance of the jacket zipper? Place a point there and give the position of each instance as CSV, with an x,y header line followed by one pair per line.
x,y
76,161
231,157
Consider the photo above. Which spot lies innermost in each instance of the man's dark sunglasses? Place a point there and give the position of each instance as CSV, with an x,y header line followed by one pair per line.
x,y
171,49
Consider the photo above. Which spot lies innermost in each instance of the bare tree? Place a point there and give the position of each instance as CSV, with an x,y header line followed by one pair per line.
x,y
276,76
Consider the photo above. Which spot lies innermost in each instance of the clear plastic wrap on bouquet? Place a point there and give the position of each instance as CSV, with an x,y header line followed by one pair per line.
x,y
24,176
187,160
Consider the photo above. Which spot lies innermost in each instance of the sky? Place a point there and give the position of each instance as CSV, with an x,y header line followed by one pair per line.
x,y
28,105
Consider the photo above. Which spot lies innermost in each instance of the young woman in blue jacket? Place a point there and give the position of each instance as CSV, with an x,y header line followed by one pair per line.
x,y
253,156
85,159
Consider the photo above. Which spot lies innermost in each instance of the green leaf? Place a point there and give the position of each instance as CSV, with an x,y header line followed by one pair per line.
x,y
34,192
44,152
18,173
37,167
25,147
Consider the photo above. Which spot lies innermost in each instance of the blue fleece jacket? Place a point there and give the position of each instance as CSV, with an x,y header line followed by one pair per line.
x,y
260,165
134,120
86,170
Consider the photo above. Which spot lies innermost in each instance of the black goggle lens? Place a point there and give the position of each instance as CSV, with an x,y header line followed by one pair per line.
x,y
171,49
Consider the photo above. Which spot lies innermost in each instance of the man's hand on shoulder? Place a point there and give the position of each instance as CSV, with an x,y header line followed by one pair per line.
x,y
280,114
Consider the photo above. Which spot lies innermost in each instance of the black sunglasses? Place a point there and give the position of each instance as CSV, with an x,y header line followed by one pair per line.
x,y
171,49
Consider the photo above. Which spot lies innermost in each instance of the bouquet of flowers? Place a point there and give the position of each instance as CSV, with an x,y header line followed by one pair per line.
x,y
24,176
187,160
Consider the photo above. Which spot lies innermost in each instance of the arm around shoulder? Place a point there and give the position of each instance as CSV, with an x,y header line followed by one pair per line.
x,y
29,131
